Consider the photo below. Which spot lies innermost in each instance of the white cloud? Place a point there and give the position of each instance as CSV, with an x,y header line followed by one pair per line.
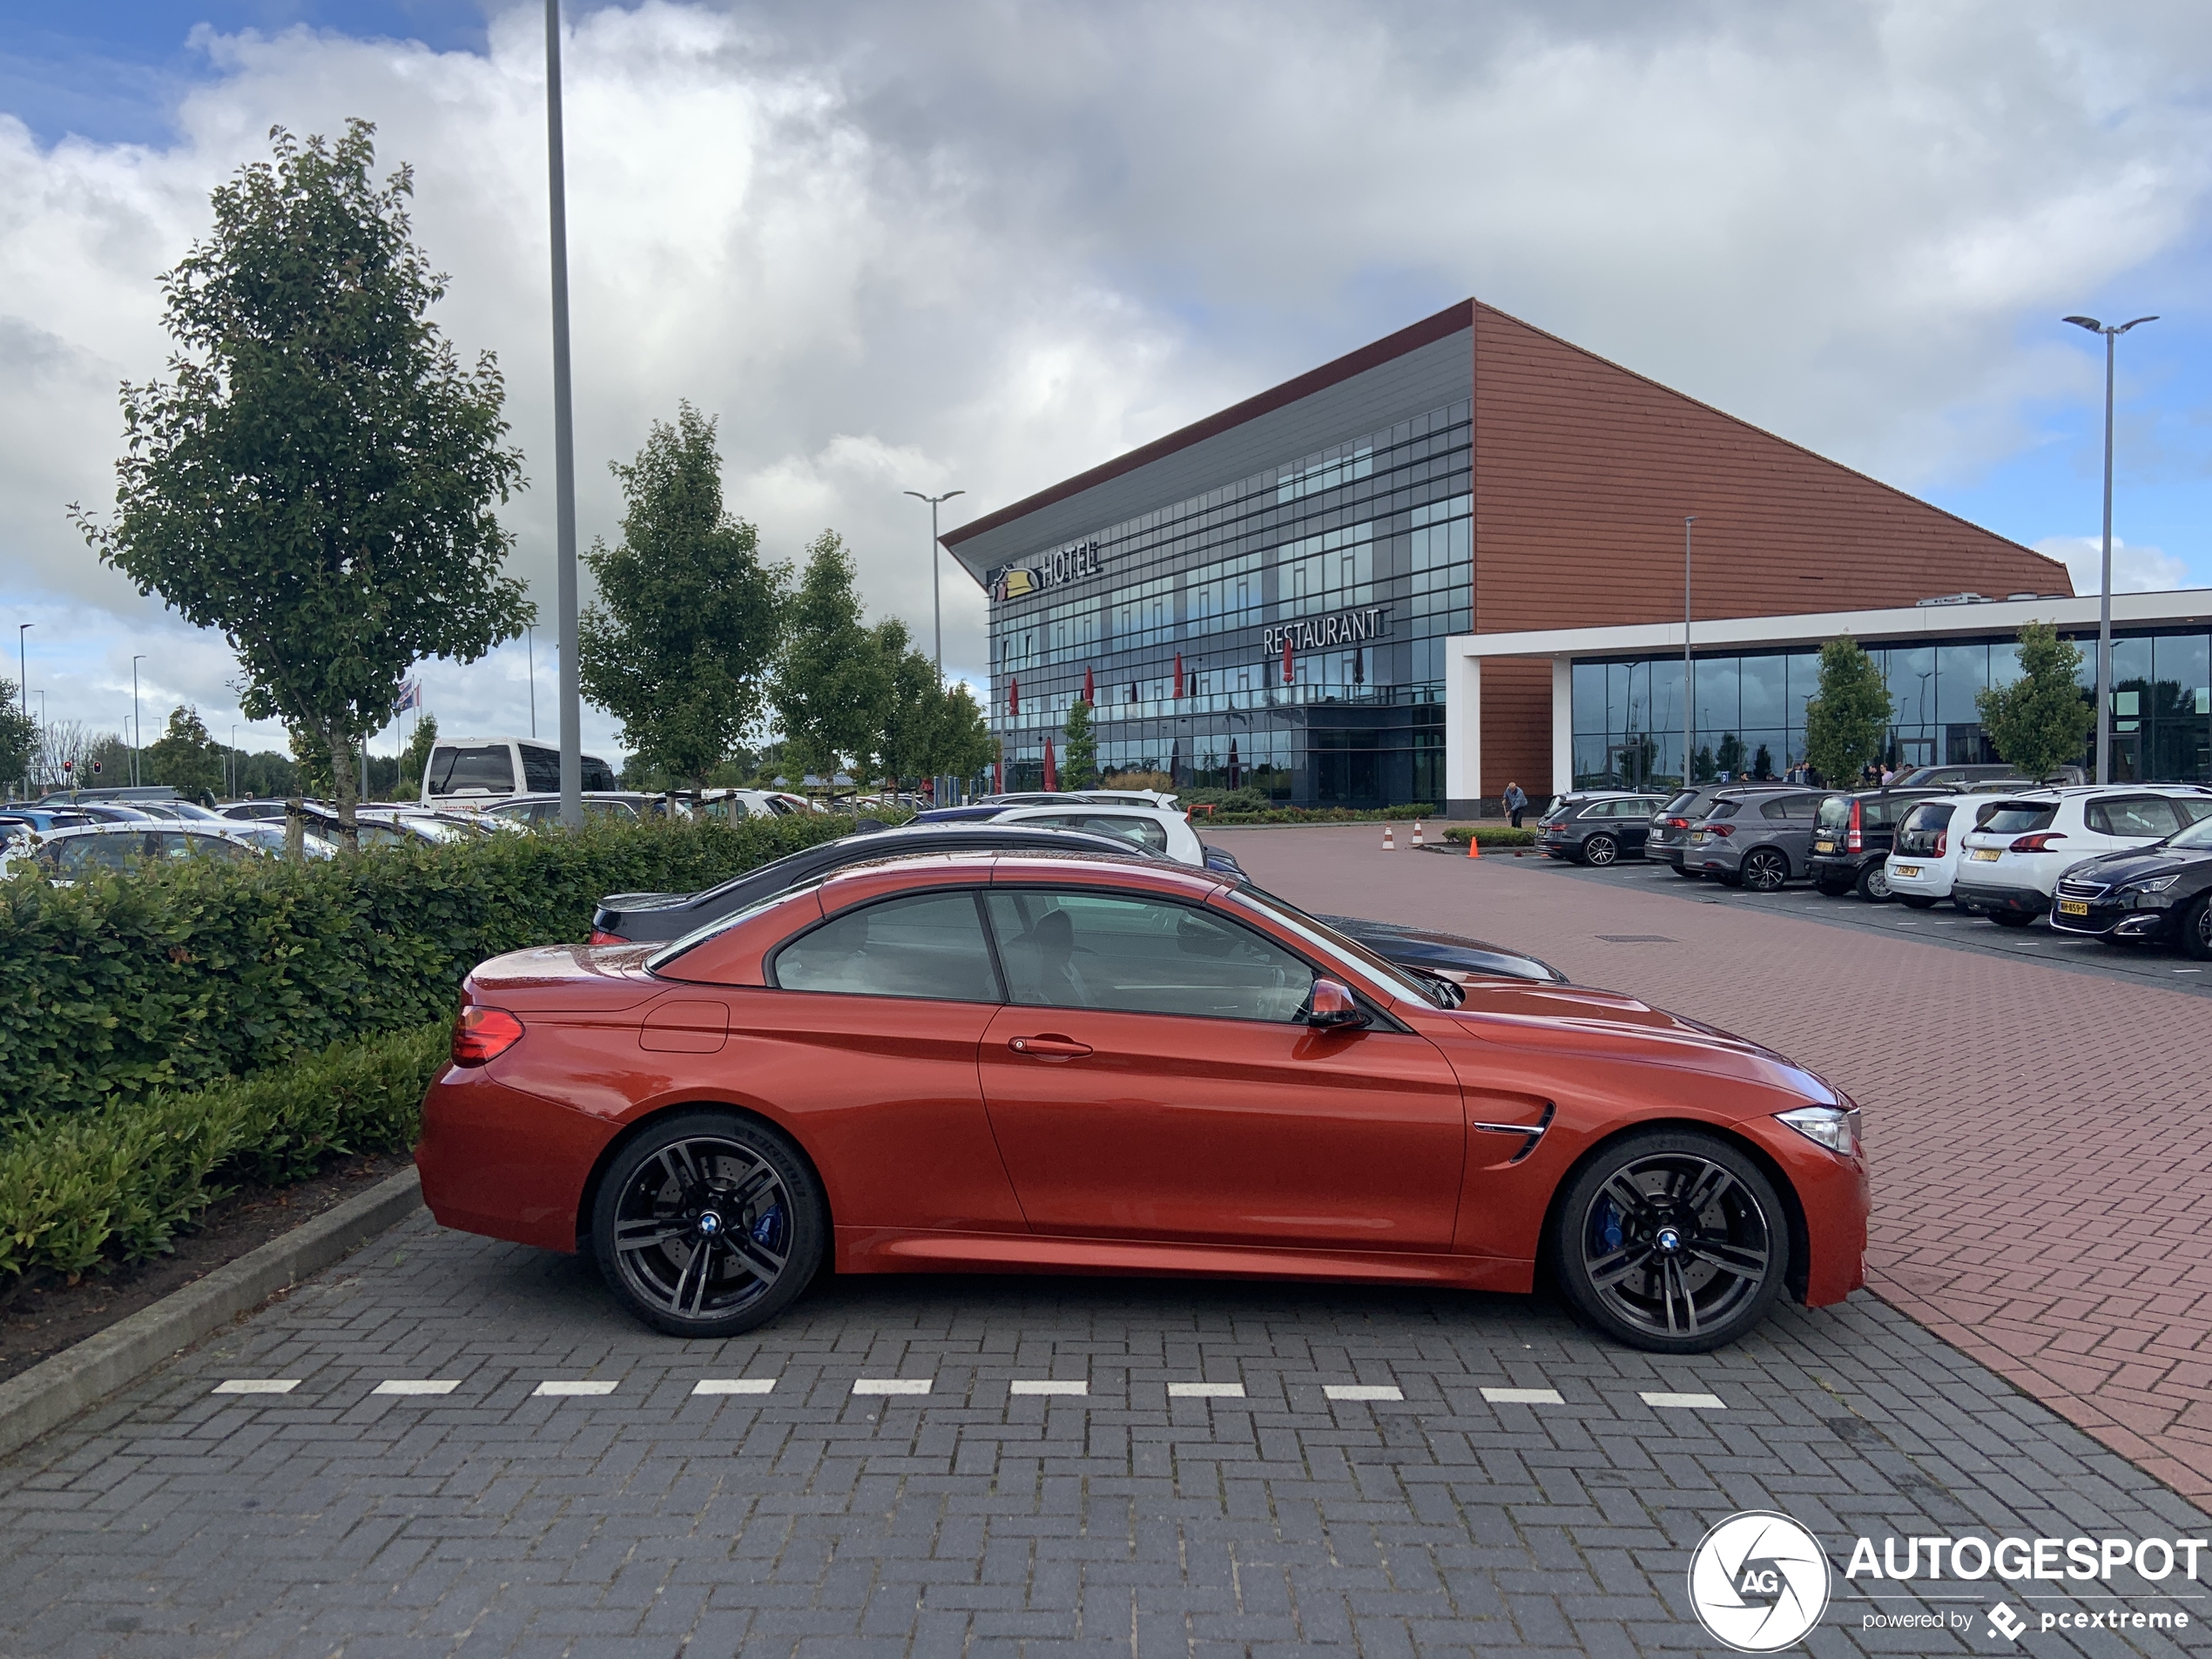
x,y
980,246
2134,570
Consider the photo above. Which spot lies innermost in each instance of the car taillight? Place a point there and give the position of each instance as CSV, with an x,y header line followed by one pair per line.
x,y
1854,840
2040,843
1721,830
481,1036
1943,842
600,936
1677,823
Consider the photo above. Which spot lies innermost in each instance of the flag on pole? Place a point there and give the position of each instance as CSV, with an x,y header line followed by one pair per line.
x,y
410,696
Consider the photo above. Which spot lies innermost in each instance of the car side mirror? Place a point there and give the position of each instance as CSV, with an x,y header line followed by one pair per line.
x,y
1332,1008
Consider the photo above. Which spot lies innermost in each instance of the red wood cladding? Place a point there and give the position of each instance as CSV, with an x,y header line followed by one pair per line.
x,y
1582,473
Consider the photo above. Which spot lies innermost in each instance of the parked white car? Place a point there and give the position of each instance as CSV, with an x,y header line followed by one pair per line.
x,y
67,856
2008,867
1924,861
1159,831
474,772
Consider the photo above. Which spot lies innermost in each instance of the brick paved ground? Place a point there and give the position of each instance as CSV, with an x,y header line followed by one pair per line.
x,y
2041,1138
654,1522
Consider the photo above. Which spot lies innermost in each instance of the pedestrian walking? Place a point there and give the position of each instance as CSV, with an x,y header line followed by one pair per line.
x,y
1516,802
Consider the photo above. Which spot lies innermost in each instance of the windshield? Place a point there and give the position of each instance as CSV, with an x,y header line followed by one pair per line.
x,y
1834,812
661,958
1386,975
2197,838
2019,817
1928,815
1681,803
1723,809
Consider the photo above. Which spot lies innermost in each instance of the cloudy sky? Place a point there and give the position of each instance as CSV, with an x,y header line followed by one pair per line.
x,y
897,245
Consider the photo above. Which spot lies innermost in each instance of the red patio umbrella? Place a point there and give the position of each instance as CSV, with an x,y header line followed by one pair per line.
x,y
1287,676
1232,763
1051,774
1088,695
1178,673
1014,696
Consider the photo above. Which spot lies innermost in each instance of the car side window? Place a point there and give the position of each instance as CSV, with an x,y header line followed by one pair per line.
x,y
2133,816
1147,833
927,945
2194,812
81,854
1094,950
1777,810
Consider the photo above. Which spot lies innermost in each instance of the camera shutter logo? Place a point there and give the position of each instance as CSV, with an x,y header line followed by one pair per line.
x,y
1759,1581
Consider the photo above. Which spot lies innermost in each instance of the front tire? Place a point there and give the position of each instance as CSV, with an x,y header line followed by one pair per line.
x,y
708,1225
1874,883
1672,1241
1601,850
2196,929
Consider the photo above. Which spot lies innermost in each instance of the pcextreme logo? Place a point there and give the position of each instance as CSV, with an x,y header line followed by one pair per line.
x,y
1759,1581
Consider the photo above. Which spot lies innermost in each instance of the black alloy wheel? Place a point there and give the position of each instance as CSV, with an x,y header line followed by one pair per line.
x,y
1601,850
2196,928
1874,882
708,1225
1673,1241
1765,870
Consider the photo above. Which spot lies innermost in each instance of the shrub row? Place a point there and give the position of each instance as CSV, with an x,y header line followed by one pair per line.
x,y
114,1182
1501,836
175,976
1225,816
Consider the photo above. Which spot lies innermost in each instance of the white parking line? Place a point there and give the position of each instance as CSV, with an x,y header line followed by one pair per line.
x,y
415,1386
256,1386
1523,1397
1361,1391
1683,1402
891,1385
1206,1390
1039,1385
565,1389
734,1385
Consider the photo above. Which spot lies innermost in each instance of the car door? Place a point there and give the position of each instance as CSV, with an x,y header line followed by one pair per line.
x,y
1151,1078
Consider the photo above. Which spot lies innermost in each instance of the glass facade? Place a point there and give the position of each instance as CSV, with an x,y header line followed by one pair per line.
x,y
1749,719
1307,606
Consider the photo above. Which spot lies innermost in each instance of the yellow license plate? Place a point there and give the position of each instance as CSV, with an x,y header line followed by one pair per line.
x,y
1823,847
1906,869
1983,855
1697,840
2073,907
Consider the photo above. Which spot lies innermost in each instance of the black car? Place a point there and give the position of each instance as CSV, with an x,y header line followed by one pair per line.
x,y
2163,891
1596,826
659,918
1852,837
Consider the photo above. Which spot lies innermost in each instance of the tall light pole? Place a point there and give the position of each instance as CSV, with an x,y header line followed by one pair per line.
x,y
2111,332
530,646
936,608
138,731
23,666
564,440
1688,701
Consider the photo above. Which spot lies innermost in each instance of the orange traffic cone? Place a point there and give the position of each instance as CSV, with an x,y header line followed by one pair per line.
x,y
1474,847
1417,834
1389,845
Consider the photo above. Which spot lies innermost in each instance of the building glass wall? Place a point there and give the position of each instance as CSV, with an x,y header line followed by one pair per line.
x,y
1308,604
1748,720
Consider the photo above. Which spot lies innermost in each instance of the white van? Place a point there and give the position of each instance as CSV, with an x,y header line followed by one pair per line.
x,y
474,772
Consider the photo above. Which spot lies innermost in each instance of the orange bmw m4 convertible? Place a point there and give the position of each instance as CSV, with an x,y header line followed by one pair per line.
x,y
1084,1063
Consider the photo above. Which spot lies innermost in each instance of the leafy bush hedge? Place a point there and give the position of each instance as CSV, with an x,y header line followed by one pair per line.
x,y
177,975
1502,835
115,1181
1227,815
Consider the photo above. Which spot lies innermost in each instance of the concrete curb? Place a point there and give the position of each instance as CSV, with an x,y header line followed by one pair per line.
x,y
55,1389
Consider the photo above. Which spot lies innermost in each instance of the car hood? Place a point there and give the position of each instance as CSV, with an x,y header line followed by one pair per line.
x,y
2113,868
1428,950
1562,1020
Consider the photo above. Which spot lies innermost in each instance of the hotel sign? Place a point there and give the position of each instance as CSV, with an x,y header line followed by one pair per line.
x,y
1322,633
1072,563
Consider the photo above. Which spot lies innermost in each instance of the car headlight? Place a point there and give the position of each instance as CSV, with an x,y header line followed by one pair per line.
x,y
1832,1126
2156,884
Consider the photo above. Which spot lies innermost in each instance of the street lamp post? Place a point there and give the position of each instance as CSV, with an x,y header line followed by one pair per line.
x,y
563,439
2111,332
23,678
1688,702
936,605
529,647
138,731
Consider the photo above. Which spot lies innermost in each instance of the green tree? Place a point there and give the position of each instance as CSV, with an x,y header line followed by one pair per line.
x,y
914,707
1848,716
416,756
965,745
184,756
18,736
318,477
679,647
833,680
2041,721
1081,769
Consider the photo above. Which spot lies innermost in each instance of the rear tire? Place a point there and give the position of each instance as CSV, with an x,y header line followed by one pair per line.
x,y
708,1225
1874,883
1911,903
1601,850
1765,870
1672,1241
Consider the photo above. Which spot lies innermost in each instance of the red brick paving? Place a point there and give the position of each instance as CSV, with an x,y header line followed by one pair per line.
x,y
2041,1140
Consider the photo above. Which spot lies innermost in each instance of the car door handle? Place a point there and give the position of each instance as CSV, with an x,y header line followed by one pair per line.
x,y
1048,1047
